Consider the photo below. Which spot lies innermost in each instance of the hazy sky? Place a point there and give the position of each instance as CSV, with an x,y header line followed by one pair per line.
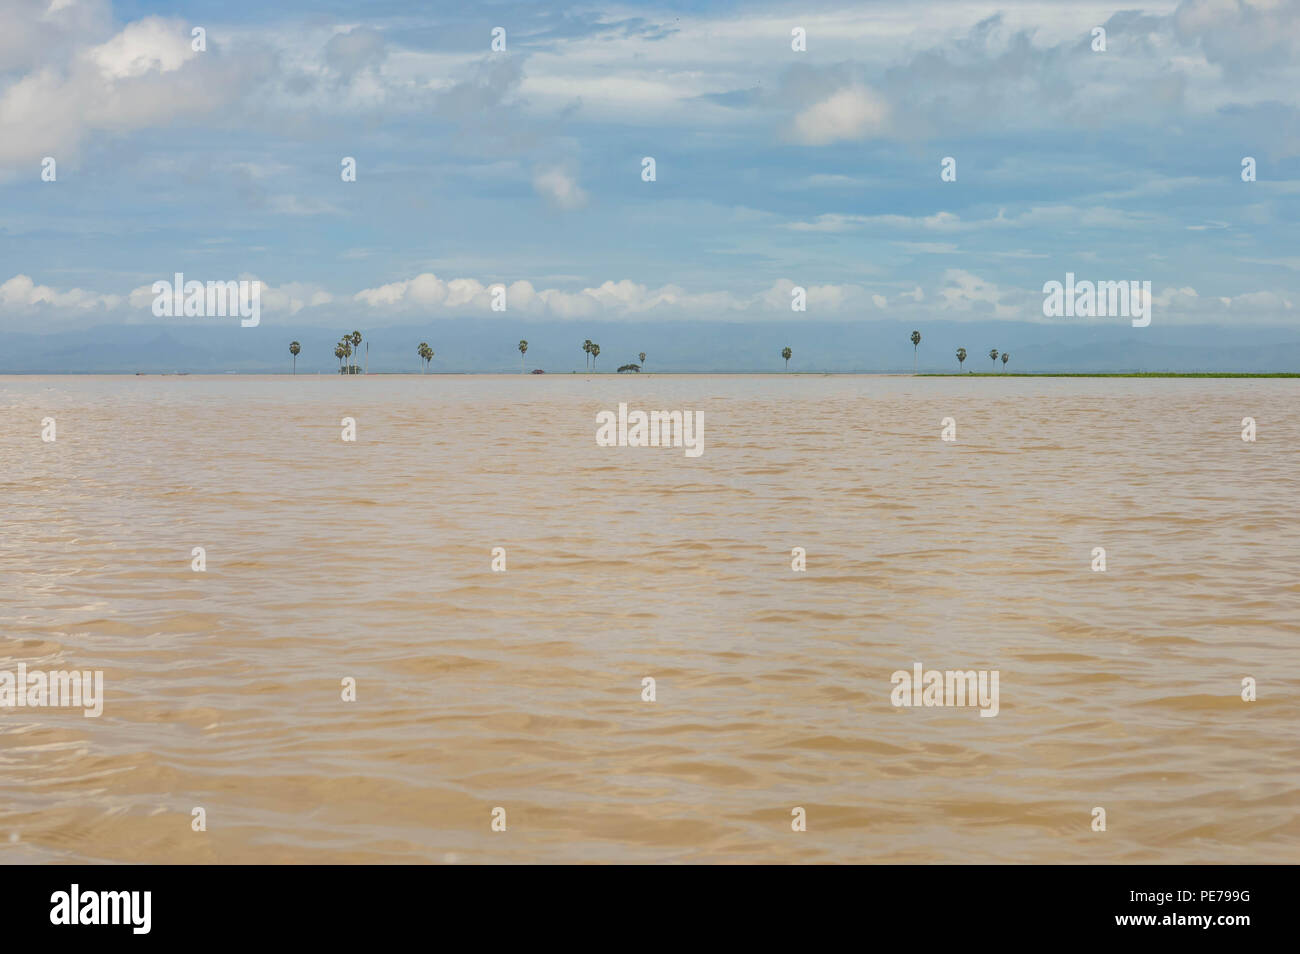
x,y
774,167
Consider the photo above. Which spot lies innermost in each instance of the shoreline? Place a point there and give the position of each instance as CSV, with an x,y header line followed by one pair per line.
x,y
1112,374
569,374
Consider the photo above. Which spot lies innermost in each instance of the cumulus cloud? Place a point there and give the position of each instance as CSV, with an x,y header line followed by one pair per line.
x,y
287,299
37,32
964,292
1241,36
558,187
292,297
427,290
852,113
22,294
428,294
957,295
351,51
146,46
467,295
145,75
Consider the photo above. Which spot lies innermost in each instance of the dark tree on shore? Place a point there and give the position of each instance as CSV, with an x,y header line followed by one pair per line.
x,y
786,353
916,340
294,349
993,354
1006,356
961,357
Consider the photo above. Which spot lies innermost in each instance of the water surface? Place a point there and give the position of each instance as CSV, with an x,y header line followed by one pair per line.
x,y
522,689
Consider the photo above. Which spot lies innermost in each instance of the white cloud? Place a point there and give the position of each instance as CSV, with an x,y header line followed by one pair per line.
x,y
958,295
559,188
20,293
965,292
143,47
1168,295
292,297
852,113
831,222
144,76
289,298
610,300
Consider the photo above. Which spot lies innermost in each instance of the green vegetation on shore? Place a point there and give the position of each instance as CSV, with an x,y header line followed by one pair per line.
x,y
351,343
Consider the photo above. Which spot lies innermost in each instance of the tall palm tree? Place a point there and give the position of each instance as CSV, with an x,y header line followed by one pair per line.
x,y
961,357
294,348
338,353
586,347
595,353
786,353
425,353
523,350
1006,356
642,357
356,343
916,340
993,353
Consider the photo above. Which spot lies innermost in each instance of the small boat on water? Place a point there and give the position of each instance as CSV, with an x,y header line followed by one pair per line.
x,y
538,371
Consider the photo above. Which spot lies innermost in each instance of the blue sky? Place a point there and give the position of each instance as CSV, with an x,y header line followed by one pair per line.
x,y
775,168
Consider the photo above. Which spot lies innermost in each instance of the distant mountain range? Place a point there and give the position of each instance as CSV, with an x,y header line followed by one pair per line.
x,y
483,345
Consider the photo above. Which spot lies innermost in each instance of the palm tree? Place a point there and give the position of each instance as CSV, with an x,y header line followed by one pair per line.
x,y
785,353
993,353
642,357
294,348
916,340
595,353
961,357
523,350
1006,356
425,353
586,347
347,352
338,353
356,342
